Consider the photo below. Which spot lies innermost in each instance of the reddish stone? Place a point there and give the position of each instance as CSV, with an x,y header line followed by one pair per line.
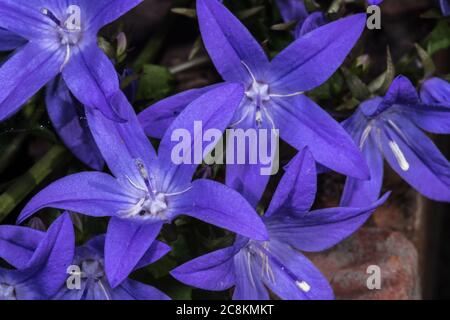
x,y
346,264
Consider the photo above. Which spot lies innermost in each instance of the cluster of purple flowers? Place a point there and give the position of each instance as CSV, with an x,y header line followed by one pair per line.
x,y
145,189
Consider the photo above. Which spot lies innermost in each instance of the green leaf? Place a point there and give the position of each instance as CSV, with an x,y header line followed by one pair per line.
x,y
186,12
155,83
107,47
24,185
246,14
382,83
288,26
439,38
358,88
329,89
350,104
427,62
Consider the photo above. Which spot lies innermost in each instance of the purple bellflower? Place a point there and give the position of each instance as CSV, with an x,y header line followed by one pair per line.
x,y
95,286
66,114
277,264
295,10
435,92
274,91
62,39
390,127
41,260
18,245
147,190
292,10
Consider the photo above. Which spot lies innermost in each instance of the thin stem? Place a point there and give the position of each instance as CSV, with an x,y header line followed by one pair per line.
x,y
24,185
189,65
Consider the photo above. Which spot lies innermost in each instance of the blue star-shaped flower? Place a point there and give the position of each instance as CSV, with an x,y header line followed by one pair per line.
x,y
251,266
390,127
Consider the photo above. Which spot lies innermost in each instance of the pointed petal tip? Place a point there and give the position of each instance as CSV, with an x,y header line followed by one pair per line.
x,y
24,215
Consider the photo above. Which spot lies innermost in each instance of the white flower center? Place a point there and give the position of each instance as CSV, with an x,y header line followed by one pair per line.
x,y
92,269
258,93
7,292
68,31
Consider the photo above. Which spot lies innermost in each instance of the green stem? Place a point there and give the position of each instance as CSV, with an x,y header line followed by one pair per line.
x,y
29,119
24,185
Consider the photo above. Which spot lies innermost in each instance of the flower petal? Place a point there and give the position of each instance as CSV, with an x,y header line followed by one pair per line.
x,y
434,116
292,10
17,244
321,229
248,181
213,271
304,123
220,205
248,281
246,171
27,71
416,159
309,282
313,58
126,243
312,22
24,18
10,41
297,189
122,144
133,290
435,91
213,110
69,120
156,251
91,193
46,270
401,94
91,77
103,12
360,193
156,119
229,43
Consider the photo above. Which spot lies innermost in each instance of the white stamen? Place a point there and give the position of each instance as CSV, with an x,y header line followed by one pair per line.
x,y
364,136
105,292
241,119
66,58
270,119
274,95
249,71
258,117
135,185
403,163
177,193
249,266
302,285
